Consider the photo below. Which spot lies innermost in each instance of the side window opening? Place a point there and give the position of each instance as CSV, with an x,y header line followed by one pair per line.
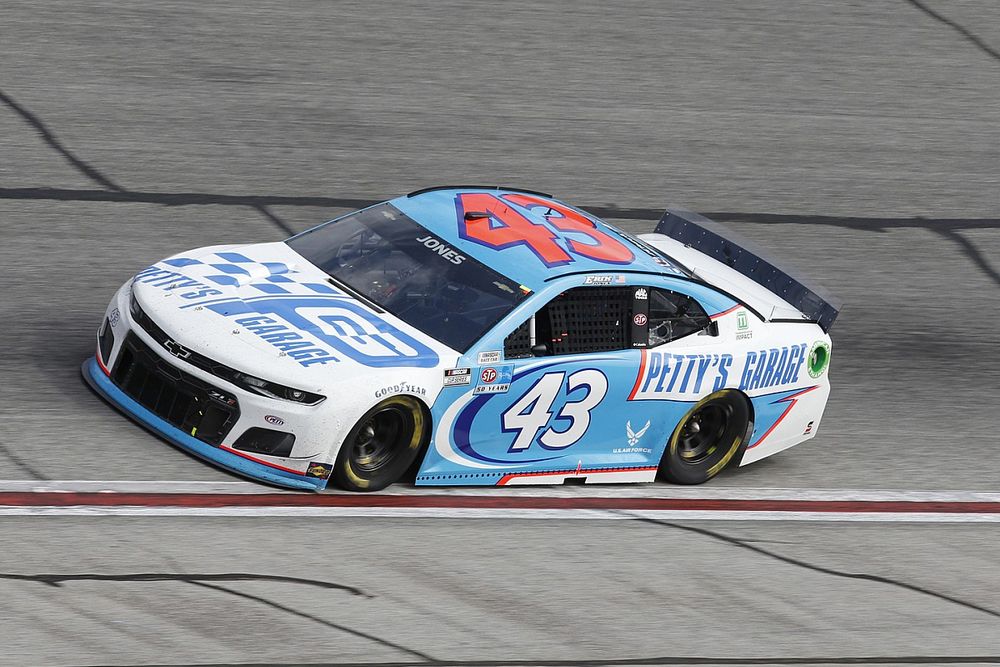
x,y
673,315
580,320
518,344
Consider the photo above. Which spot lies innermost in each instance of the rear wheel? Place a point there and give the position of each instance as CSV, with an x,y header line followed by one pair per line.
x,y
382,445
711,436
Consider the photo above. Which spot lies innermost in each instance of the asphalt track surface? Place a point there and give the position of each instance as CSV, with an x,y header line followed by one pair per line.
x,y
860,140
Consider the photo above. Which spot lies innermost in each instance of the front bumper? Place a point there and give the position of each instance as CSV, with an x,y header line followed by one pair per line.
x,y
101,383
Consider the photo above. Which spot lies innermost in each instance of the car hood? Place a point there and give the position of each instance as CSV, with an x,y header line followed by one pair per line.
x,y
266,310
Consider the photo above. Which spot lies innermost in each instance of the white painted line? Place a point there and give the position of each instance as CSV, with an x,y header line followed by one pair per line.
x,y
505,514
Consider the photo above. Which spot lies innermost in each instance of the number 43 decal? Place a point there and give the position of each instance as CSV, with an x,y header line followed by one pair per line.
x,y
532,411
505,226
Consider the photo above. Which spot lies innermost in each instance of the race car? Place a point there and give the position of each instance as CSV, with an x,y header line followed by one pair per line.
x,y
469,335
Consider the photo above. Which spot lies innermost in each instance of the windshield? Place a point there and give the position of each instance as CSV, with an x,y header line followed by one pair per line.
x,y
399,265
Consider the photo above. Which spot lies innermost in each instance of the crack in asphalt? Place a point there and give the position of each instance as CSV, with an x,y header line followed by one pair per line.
x,y
21,463
959,28
48,137
817,568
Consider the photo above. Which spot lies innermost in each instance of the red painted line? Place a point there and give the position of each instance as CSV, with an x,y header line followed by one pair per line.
x,y
204,500
577,471
638,378
261,461
725,312
792,400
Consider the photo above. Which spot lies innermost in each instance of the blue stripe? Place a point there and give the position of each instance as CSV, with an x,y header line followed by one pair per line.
x,y
231,268
224,280
234,257
100,382
268,288
320,288
182,261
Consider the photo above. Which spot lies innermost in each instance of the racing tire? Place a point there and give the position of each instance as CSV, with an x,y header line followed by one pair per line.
x,y
713,434
382,446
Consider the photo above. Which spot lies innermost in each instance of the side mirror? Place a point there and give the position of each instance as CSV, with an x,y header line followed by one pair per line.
x,y
476,215
540,350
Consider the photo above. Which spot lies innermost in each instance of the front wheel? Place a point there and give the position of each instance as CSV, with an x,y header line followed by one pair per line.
x,y
714,433
382,445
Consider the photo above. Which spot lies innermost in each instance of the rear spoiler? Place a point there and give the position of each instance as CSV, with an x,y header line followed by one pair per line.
x,y
721,244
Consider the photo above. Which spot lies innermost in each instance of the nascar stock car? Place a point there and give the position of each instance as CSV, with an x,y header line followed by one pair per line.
x,y
471,336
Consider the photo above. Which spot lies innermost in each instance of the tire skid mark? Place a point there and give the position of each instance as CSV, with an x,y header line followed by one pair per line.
x,y
819,568
273,217
957,27
57,580
48,137
330,624
971,252
21,463
879,224
209,581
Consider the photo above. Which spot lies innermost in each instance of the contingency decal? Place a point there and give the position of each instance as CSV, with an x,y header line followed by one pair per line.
x,y
456,377
665,375
819,359
491,357
500,223
494,380
320,470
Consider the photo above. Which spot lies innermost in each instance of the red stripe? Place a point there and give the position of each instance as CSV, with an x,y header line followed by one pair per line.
x,y
793,400
577,471
101,363
498,501
725,312
638,378
261,461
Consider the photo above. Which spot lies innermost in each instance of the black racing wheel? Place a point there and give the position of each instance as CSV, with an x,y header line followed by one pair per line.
x,y
712,434
382,445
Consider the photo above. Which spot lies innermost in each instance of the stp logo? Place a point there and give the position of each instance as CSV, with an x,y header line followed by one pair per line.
x,y
488,375
639,319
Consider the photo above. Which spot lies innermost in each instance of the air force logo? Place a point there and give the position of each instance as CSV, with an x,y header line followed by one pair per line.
x,y
633,440
633,436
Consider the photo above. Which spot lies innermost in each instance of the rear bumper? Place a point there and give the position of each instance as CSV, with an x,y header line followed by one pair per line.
x,y
101,383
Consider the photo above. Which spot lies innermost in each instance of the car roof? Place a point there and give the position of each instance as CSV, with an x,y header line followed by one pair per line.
x,y
441,211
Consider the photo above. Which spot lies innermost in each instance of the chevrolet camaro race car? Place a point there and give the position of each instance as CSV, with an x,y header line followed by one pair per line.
x,y
471,336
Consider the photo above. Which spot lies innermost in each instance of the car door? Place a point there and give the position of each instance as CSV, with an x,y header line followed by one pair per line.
x,y
556,398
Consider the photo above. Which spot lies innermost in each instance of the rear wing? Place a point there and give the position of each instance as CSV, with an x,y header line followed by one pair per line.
x,y
721,244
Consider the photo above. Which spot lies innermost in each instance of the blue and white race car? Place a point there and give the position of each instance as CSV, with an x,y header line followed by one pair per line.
x,y
471,336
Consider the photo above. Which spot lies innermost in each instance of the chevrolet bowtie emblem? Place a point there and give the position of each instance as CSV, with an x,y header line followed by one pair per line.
x,y
176,349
